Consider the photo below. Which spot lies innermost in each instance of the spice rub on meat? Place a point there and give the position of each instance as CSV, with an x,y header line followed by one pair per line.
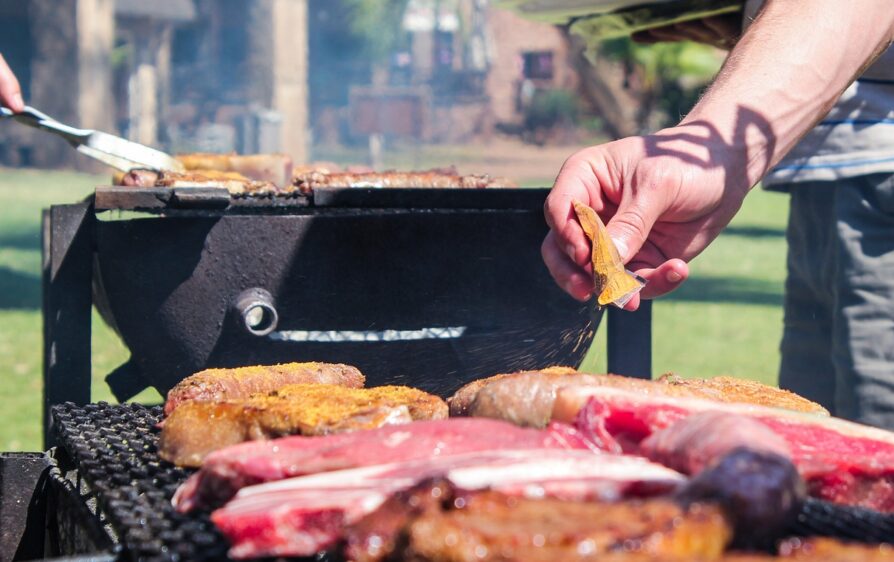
x,y
527,398
196,429
216,385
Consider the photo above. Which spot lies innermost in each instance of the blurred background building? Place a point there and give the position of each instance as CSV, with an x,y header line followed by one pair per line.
x,y
270,75
300,75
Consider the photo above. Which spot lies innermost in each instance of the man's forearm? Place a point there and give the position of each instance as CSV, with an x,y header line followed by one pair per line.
x,y
786,73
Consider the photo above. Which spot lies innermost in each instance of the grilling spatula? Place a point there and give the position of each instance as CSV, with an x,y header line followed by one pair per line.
x,y
113,151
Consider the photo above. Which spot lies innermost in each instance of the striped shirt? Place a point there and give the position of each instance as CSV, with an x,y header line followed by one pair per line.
x,y
856,138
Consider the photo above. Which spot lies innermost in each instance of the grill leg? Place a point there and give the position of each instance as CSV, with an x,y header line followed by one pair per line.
x,y
68,232
630,341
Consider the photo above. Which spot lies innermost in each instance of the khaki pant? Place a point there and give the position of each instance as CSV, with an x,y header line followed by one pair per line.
x,y
838,341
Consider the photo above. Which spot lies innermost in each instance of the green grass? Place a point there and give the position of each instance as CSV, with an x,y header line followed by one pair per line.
x,y
726,319
23,193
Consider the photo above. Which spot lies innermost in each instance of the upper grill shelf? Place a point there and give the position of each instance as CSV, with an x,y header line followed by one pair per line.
x,y
205,198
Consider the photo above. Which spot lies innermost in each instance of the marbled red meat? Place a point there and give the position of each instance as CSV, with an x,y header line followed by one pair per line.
x,y
301,516
691,444
228,470
841,461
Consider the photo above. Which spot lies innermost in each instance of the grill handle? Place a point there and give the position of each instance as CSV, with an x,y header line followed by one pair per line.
x,y
255,308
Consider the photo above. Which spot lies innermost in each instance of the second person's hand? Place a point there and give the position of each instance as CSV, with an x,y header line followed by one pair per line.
x,y
10,91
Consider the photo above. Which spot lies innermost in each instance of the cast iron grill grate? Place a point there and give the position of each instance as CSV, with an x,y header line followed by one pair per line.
x,y
818,518
113,448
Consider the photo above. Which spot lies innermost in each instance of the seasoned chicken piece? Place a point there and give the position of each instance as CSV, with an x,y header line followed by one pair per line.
x,y
196,429
217,385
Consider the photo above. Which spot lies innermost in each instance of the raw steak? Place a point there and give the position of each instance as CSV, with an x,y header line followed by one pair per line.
x,y
301,516
699,440
226,471
841,461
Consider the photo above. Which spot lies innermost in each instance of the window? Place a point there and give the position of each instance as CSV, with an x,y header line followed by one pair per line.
x,y
538,65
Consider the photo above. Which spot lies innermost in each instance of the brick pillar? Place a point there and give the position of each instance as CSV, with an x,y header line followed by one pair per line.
x,y
96,38
71,71
279,64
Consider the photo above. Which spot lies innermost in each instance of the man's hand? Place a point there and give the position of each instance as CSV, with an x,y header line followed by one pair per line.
x,y
667,196
664,198
10,91
718,31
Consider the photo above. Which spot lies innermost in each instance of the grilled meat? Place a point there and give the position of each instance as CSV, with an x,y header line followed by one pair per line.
x,y
375,537
841,461
233,182
461,401
831,550
481,526
218,385
731,389
273,169
136,178
527,398
284,518
274,173
197,428
308,181
227,471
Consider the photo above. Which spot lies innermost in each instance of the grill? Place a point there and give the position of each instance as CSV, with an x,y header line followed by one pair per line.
x,y
179,273
107,469
426,287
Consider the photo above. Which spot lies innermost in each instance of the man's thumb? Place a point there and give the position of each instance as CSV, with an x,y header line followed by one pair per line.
x,y
629,228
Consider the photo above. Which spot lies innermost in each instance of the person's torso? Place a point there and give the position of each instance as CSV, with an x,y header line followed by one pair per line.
x,y
856,137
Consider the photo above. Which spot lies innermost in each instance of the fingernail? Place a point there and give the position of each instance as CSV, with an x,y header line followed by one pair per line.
x,y
674,277
622,248
569,249
17,102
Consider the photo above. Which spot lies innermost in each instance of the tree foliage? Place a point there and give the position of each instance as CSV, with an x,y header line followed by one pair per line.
x,y
376,24
669,77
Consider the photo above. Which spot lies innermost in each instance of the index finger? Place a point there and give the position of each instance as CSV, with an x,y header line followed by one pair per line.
x,y
10,90
576,182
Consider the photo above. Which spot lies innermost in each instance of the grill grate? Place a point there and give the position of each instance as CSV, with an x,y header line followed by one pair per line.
x,y
114,451
819,518
113,448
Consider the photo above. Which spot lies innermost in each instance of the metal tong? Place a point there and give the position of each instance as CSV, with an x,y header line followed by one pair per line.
x,y
113,151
